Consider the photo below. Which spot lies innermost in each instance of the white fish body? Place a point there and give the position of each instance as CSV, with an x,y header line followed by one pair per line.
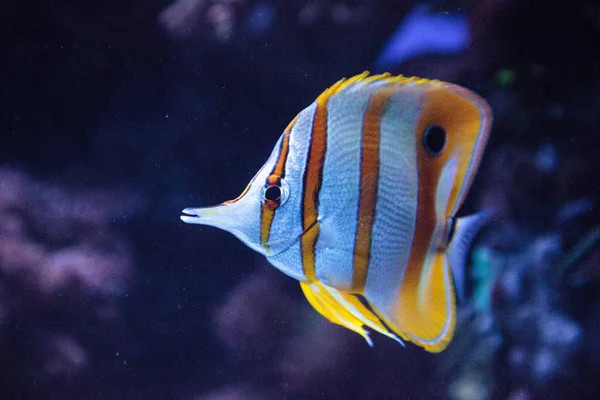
x,y
357,202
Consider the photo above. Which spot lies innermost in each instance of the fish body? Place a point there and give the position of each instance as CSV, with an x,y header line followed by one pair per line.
x,y
358,200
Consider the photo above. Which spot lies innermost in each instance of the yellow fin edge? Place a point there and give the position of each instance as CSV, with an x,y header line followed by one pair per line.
x,y
344,309
365,78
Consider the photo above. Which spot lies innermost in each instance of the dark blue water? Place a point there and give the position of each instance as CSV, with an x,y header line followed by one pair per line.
x,y
117,115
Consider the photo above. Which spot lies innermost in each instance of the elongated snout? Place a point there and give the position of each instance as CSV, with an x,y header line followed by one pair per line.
x,y
217,216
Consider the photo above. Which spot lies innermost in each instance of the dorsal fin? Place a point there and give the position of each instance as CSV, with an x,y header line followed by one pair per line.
x,y
364,79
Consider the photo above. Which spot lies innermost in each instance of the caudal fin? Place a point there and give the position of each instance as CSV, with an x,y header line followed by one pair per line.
x,y
465,230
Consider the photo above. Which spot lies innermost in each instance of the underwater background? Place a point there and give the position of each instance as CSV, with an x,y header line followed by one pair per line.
x,y
118,114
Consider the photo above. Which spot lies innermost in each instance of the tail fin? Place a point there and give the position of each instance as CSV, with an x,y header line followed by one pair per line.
x,y
465,230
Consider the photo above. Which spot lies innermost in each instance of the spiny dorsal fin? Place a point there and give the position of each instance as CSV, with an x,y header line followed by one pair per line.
x,y
366,79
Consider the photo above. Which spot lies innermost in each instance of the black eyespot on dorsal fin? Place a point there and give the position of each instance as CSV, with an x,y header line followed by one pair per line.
x,y
434,140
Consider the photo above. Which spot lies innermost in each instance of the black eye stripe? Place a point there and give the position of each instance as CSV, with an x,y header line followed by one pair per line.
x,y
434,139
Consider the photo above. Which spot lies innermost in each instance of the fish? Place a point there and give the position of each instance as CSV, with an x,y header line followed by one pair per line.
x,y
358,202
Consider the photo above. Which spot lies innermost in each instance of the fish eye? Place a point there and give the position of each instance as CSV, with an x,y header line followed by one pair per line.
x,y
274,193
434,140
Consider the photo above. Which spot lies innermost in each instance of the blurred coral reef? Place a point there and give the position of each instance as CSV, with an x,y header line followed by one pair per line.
x,y
61,266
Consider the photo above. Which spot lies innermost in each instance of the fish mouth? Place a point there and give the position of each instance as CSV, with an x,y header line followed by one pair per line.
x,y
191,216
218,216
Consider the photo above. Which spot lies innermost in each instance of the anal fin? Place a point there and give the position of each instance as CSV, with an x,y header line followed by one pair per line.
x,y
344,309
